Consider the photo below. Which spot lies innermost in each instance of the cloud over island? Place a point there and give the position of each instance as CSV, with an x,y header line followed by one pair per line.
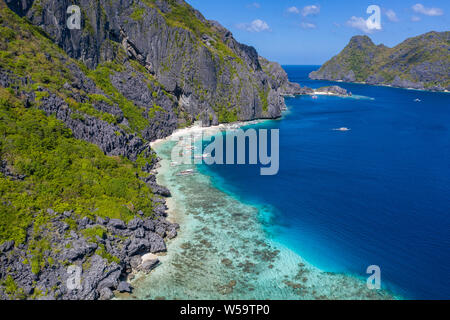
x,y
432,12
257,25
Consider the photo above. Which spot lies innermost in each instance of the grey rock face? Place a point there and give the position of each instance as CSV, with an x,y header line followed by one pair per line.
x,y
98,272
135,261
161,231
94,130
375,79
80,248
332,72
106,294
349,77
124,287
172,54
172,233
135,88
117,224
135,223
20,7
6,246
156,189
402,83
148,265
157,243
109,282
279,79
149,225
138,246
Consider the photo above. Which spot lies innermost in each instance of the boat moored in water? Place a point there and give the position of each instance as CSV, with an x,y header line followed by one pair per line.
x,y
343,129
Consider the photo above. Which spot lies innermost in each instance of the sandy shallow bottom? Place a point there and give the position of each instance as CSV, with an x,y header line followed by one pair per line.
x,y
223,252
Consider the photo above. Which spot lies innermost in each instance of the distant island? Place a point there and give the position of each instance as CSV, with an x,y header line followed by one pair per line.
x,y
421,62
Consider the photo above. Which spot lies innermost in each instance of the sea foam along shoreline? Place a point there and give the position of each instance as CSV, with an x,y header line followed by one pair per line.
x,y
223,252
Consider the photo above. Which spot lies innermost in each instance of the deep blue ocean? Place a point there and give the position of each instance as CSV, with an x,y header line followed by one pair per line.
x,y
376,195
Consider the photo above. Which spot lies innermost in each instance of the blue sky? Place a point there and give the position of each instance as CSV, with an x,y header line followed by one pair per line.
x,y
311,32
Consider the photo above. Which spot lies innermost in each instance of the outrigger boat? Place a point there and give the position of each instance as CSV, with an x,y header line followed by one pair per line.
x,y
202,156
187,172
342,129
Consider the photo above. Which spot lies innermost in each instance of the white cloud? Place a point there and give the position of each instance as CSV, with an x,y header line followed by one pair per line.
x,y
359,23
307,25
254,5
310,10
257,25
419,8
392,16
293,10
415,19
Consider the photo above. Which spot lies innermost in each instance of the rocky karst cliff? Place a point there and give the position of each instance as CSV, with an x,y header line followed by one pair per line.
x,y
212,76
78,109
421,62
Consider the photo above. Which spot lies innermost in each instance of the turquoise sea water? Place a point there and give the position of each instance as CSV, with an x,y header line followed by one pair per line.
x,y
376,195
342,201
223,250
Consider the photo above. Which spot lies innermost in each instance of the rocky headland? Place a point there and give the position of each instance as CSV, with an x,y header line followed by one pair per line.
x,y
333,91
421,63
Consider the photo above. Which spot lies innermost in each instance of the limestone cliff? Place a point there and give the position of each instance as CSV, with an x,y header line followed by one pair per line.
x,y
420,62
212,77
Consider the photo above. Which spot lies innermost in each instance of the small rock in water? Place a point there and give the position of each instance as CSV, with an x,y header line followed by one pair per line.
x,y
124,287
161,231
172,233
148,265
227,262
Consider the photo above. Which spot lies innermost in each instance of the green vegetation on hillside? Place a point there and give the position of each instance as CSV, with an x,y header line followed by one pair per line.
x,y
133,113
138,14
43,165
62,173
